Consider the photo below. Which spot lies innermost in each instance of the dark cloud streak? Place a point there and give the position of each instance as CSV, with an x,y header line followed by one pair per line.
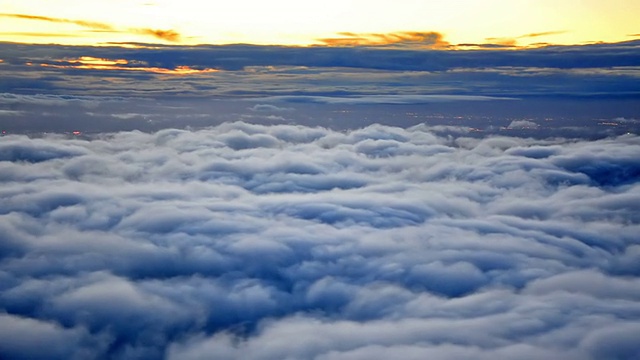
x,y
597,71
236,57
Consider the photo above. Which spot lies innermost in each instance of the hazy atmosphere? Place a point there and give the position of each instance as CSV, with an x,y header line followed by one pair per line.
x,y
349,180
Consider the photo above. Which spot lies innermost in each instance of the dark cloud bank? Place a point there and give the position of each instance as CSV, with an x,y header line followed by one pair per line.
x,y
291,242
589,71
54,88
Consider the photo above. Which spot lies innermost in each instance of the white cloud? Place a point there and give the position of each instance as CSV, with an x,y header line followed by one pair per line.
x,y
379,242
523,124
269,108
11,112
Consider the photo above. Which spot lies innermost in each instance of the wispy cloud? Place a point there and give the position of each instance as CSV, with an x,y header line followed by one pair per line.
x,y
83,23
545,33
421,40
168,35
37,34
513,41
429,39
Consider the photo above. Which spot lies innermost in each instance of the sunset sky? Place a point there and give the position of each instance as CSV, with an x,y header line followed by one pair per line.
x,y
520,22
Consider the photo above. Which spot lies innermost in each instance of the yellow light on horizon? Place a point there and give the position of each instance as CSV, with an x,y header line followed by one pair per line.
x,y
292,22
90,60
93,63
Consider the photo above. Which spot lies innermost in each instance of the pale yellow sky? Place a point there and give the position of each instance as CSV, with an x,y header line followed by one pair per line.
x,y
294,22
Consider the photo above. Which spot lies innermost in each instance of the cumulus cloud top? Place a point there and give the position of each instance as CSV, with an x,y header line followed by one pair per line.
x,y
270,242
523,124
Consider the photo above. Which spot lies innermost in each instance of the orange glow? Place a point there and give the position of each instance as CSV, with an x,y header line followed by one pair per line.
x,y
169,35
130,45
503,41
92,63
89,60
430,40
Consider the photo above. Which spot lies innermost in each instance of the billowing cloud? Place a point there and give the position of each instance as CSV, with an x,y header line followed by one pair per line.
x,y
269,108
523,124
286,241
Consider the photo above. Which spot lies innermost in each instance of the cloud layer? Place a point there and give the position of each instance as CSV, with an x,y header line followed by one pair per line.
x,y
271,242
599,71
177,86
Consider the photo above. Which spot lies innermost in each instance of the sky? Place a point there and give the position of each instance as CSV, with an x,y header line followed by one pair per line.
x,y
287,22
331,181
